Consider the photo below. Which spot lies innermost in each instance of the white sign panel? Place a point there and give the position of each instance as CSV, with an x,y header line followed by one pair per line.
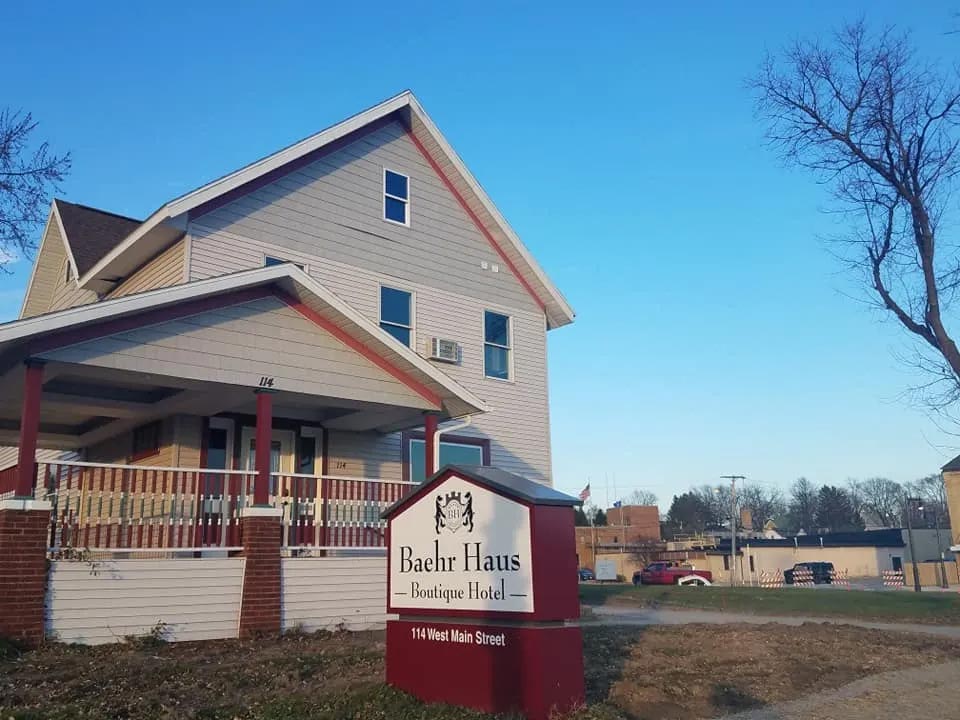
x,y
461,547
606,570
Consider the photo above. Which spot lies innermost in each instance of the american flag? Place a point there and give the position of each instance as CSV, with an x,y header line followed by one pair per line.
x,y
585,493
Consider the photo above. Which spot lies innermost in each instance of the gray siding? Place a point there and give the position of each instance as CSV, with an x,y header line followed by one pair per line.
x,y
239,344
333,209
164,270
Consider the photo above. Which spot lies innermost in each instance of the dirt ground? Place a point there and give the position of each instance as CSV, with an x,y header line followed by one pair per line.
x,y
661,673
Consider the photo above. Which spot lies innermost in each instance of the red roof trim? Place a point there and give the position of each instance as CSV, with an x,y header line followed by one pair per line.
x,y
354,344
74,336
277,173
480,226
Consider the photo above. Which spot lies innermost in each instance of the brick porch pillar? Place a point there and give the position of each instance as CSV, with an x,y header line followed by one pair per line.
x,y
24,524
260,529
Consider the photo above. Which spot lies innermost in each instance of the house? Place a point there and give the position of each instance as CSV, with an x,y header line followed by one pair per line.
x,y
341,318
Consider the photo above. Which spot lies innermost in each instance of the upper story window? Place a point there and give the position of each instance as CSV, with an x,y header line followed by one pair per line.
x,y
496,345
271,261
396,197
67,273
396,313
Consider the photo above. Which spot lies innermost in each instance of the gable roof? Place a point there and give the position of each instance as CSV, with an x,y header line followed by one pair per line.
x,y
506,483
952,465
91,233
34,334
156,231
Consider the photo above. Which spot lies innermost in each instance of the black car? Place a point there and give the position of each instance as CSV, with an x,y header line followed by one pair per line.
x,y
822,572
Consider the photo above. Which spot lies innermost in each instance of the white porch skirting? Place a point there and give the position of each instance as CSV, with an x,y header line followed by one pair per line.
x,y
195,599
328,593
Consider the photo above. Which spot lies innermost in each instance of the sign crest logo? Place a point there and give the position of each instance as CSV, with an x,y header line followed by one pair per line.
x,y
454,512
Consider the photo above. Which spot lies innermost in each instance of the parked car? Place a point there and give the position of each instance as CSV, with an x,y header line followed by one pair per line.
x,y
822,572
670,573
585,574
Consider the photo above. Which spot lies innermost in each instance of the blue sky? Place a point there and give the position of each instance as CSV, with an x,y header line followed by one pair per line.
x,y
714,331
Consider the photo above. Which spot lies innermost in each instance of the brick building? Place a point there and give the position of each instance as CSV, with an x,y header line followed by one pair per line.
x,y
627,526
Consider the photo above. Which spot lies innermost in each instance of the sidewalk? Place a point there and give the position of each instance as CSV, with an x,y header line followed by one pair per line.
x,y
921,693
612,615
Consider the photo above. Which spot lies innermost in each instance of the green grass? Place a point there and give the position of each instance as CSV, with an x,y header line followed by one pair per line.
x,y
891,606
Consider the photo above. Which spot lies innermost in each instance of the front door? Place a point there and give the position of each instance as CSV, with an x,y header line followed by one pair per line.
x,y
281,451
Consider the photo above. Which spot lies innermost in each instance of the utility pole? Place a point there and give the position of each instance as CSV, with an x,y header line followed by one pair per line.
x,y
733,525
913,550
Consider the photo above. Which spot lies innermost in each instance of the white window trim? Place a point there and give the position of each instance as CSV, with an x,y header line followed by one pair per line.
x,y
509,348
405,201
263,261
423,441
217,423
317,434
413,312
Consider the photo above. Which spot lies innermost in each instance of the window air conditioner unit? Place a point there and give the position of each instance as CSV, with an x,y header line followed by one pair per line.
x,y
445,350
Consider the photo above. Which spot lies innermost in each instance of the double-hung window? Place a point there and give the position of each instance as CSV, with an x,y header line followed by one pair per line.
x,y
496,345
396,313
396,197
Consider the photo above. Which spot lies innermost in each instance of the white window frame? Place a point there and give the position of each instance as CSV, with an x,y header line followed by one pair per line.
x,y
405,201
302,265
423,442
217,423
413,312
509,348
312,431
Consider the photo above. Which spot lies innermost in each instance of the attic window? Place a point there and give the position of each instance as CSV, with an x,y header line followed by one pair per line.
x,y
68,272
396,197
271,261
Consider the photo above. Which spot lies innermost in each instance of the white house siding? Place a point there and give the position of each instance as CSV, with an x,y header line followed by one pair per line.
x,y
9,456
195,599
239,344
327,216
162,271
327,593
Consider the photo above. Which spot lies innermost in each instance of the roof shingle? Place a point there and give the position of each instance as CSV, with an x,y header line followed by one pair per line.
x,y
92,233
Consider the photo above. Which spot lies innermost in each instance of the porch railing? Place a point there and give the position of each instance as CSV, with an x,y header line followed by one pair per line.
x,y
104,506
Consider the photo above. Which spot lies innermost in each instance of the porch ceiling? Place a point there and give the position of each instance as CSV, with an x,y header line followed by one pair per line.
x,y
81,405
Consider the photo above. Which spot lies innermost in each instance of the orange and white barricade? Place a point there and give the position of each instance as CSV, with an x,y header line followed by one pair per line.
x,y
840,578
893,578
769,579
803,577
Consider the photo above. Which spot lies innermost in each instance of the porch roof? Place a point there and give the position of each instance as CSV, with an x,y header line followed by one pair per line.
x,y
398,385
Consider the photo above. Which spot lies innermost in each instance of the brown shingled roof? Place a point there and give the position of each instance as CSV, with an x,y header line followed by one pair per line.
x,y
92,233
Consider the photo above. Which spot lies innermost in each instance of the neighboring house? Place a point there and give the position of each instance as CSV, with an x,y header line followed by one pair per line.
x,y
361,277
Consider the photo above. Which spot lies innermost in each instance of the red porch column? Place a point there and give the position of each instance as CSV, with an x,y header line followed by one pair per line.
x,y
430,442
261,527
24,523
264,438
29,429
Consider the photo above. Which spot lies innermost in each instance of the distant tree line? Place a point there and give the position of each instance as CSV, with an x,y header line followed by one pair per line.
x,y
807,508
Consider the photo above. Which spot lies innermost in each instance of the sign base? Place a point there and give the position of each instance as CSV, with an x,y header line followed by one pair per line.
x,y
490,667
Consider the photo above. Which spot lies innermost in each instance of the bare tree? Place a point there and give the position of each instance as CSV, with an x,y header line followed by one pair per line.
x,y
29,174
715,500
764,504
880,127
641,497
879,500
803,505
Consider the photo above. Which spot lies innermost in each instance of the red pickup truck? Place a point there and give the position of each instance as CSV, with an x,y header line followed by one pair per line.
x,y
670,573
